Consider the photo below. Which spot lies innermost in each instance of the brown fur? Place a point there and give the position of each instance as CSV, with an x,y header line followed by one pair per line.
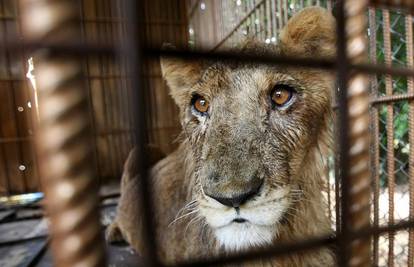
x,y
242,138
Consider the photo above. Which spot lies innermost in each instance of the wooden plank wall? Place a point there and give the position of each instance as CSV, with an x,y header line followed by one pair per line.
x,y
107,80
18,167
165,22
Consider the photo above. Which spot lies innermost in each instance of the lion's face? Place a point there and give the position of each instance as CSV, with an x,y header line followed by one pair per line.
x,y
250,129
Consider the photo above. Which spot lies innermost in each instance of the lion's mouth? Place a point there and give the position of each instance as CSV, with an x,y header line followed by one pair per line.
x,y
239,220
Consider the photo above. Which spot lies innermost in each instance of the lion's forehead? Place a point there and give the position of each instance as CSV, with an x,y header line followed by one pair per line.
x,y
248,83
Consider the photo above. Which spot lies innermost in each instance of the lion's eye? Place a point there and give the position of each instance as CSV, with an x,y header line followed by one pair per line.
x,y
200,104
281,95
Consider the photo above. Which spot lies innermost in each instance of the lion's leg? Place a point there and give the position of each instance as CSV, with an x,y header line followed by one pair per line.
x,y
113,234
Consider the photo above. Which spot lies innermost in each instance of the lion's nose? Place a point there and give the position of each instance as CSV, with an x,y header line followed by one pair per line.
x,y
237,200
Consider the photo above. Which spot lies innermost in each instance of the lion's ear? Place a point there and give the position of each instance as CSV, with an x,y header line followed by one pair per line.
x,y
311,32
180,75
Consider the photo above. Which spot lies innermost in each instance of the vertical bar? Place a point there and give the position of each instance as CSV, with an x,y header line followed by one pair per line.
x,y
390,135
280,14
275,32
72,201
410,84
268,20
263,20
262,15
354,133
132,50
329,5
343,134
374,163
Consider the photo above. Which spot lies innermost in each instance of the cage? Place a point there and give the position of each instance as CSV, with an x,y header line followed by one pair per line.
x,y
82,86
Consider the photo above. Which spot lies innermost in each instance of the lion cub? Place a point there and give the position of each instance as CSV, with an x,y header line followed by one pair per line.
x,y
249,170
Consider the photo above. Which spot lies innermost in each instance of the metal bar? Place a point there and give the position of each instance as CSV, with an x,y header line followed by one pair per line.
x,y
282,249
69,47
390,135
79,48
392,98
407,5
342,73
353,129
358,133
279,14
68,179
133,44
274,19
280,60
410,90
374,162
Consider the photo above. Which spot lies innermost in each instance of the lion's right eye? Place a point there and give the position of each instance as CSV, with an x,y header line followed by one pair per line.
x,y
282,95
200,104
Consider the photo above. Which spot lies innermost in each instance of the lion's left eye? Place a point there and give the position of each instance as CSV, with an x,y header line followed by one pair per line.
x,y
200,104
281,95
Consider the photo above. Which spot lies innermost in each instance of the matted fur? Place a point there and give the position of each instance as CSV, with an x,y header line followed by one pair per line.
x,y
241,141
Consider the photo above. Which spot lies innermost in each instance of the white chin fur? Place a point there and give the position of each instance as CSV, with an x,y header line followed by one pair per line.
x,y
241,236
261,215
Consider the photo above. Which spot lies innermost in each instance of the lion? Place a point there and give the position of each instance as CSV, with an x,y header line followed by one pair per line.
x,y
249,171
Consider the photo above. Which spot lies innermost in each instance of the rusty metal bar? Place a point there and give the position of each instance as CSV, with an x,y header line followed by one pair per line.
x,y
374,121
321,63
358,133
410,90
285,248
64,137
407,5
390,135
354,133
392,98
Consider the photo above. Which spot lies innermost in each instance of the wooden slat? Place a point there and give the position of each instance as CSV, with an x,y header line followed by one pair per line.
x,y
21,255
13,231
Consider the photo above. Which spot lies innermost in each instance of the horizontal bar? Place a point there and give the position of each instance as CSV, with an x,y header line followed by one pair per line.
x,y
292,247
406,6
93,48
302,62
391,98
385,99
74,47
